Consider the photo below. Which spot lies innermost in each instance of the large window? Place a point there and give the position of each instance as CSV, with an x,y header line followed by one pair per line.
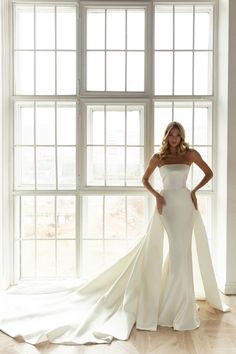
x,y
94,87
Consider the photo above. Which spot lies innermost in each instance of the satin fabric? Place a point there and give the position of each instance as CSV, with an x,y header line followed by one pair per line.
x,y
138,289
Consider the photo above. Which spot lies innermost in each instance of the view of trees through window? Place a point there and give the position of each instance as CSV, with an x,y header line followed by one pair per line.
x,y
94,88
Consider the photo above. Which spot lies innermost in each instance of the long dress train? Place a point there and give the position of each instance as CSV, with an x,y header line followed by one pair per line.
x,y
136,290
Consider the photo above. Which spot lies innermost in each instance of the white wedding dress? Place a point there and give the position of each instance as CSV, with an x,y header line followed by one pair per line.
x,y
138,289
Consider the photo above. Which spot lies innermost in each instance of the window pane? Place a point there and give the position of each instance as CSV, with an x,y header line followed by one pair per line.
x,y
134,165
24,123
24,73
45,124
66,73
203,124
206,153
24,27
95,165
93,217
95,71
45,258
136,216
45,73
115,217
66,167
202,73
46,178
93,256
45,27
95,125
183,73
115,125
134,126
27,259
66,123
66,27
135,29
135,71
115,71
95,29
163,73
24,168
115,29
45,217
65,217
115,166
27,217
183,27
203,27
183,113
66,250
163,116
164,27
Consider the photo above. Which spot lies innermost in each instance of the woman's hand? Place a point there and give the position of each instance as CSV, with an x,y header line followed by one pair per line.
x,y
194,199
160,202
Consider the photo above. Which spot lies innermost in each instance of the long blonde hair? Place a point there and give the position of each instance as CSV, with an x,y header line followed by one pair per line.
x,y
182,147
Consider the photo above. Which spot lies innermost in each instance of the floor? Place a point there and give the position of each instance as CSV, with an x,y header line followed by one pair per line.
x,y
216,335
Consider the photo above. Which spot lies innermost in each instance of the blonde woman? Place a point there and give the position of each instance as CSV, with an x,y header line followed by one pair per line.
x,y
136,289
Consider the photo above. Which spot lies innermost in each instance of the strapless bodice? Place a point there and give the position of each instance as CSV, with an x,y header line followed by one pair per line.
x,y
174,176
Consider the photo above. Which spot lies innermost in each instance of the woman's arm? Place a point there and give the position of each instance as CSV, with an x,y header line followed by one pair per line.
x,y
197,159
153,163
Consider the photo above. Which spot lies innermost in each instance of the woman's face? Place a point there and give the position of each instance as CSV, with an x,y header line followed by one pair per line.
x,y
174,137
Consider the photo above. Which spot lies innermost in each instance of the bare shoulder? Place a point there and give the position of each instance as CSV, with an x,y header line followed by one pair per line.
x,y
193,155
155,159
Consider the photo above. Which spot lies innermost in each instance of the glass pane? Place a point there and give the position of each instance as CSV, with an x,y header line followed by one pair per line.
x,y
46,258
24,27
45,123
115,125
163,73
95,29
45,168
95,71
24,168
115,166
135,29
203,27
136,216
202,73
65,217
45,73
115,71
113,249
66,167
203,124
24,73
93,217
206,153
183,113
95,125
135,71
134,166
115,29
66,250
183,27
45,217
27,259
183,73
115,217
163,116
66,73
93,257
66,123
164,27
24,123
27,217
134,126
66,27
45,27
95,166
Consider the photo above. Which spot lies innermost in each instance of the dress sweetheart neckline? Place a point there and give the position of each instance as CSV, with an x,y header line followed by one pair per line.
x,y
171,164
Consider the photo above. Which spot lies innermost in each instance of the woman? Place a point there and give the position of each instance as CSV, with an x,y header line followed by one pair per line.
x,y
135,290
